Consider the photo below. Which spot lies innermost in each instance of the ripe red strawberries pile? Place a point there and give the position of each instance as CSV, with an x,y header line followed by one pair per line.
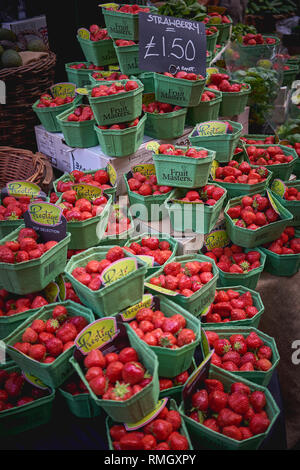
x,y
81,113
287,244
123,43
254,39
13,208
208,194
157,329
169,149
185,75
292,194
268,140
98,34
76,208
114,89
238,413
112,76
272,155
185,279
25,248
220,81
161,250
180,379
230,305
131,9
253,212
157,107
234,259
216,18
83,66
89,275
117,223
13,304
162,433
116,376
70,293
211,30
16,391
122,125
208,95
240,352
146,185
74,385
99,178
47,101
45,340
240,173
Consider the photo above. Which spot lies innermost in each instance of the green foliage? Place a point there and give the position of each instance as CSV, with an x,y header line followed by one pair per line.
x,y
274,7
190,9
240,30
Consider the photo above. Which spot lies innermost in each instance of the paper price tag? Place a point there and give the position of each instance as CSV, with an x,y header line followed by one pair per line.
x,y
64,89
209,128
278,187
130,313
87,191
118,270
97,334
83,33
149,417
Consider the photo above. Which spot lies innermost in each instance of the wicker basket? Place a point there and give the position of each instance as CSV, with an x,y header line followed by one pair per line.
x,y
24,85
21,164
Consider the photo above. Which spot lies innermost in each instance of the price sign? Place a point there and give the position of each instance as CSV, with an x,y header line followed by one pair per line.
x,y
168,44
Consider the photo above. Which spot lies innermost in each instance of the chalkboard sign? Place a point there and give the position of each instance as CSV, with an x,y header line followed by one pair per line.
x,y
168,44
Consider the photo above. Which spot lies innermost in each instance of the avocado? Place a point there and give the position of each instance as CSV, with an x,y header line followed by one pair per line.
x,y
11,58
36,45
7,34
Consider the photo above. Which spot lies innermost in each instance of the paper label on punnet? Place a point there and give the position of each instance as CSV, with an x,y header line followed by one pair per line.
x,y
82,91
216,239
147,169
64,89
210,128
51,292
34,381
130,313
23,188
196,378
97,334
118,270
272,202
114,6
160,289
112,174
87,191
148,259
47,219
210,71
278,187
148,418
213,168
153,145
83,33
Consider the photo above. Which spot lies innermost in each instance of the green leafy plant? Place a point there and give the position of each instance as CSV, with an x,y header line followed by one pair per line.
x,y
290,131
275,7
190,9
239,30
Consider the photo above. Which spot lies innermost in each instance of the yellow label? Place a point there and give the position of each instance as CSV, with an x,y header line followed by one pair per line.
x,y
148,98
87,191
210,71
213,168
83,33
23,188
34,381
147,169
217,239
272,202
112,174
153,145
118,270
211,128
97,334
82,91
45,213
278,187
149,417
114,68
62,90
115,6
205,343
51,292
149,260
130,313
62,287
160,289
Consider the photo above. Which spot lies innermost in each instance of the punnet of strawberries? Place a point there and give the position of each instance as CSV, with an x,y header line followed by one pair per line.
x,y
118,222
124,42
45,340
291,194
115,376
207,195
47,101
184,75
99,178
208,95
146,185
209,31
272,155
11,304
186,278
257,39
241,173
162,433
122,125
230,305
83,66
157,329
216,18
238,413
26,247
15,391
267,140
156,107
97,33
90,274
234,259
253,212
130,9
161,250
169,149
13,208
112,76
81,113
221,82
114,88
287,244
79,208
179,380
240,352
